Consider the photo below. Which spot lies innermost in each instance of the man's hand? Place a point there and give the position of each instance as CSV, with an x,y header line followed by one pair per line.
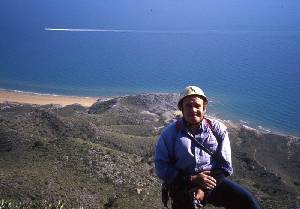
x,y
199,194
203,180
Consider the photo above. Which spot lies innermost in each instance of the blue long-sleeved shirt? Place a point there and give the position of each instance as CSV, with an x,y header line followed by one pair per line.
x,y
177,152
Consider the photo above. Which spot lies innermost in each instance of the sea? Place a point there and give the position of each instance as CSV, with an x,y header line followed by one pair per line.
x,y
251,74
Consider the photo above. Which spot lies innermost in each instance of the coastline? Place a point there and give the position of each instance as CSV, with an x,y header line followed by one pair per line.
x,y
63,100
44,99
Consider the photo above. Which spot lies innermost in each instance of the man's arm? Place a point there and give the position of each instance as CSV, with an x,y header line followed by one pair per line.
x,y
164,165
223,157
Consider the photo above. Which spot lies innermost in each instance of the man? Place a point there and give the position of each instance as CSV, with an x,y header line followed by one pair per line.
x,y
193,158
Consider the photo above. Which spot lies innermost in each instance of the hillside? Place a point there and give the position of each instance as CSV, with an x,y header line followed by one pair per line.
x,y
102,156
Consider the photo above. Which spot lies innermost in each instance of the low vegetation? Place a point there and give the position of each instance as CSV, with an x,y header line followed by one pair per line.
x,y
102,156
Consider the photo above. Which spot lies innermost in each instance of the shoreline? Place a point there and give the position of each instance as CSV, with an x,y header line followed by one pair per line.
x,y
34,98
44,99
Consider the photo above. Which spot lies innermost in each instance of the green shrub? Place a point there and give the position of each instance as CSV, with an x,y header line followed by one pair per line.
x,y
11,204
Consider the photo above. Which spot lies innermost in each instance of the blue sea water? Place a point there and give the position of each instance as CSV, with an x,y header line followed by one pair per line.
x,y
249,73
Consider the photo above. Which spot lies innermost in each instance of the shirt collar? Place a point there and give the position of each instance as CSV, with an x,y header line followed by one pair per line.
x,y
202,126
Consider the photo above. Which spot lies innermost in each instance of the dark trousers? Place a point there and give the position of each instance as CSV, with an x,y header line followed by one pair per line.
x,y
180,198
231,195
227,194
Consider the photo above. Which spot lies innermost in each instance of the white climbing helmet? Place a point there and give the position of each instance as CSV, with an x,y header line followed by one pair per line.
x,y
189,91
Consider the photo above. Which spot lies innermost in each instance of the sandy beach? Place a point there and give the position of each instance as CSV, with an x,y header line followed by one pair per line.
x,y
42,99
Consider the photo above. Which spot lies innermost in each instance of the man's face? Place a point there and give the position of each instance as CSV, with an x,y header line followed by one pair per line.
x,y
193,109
